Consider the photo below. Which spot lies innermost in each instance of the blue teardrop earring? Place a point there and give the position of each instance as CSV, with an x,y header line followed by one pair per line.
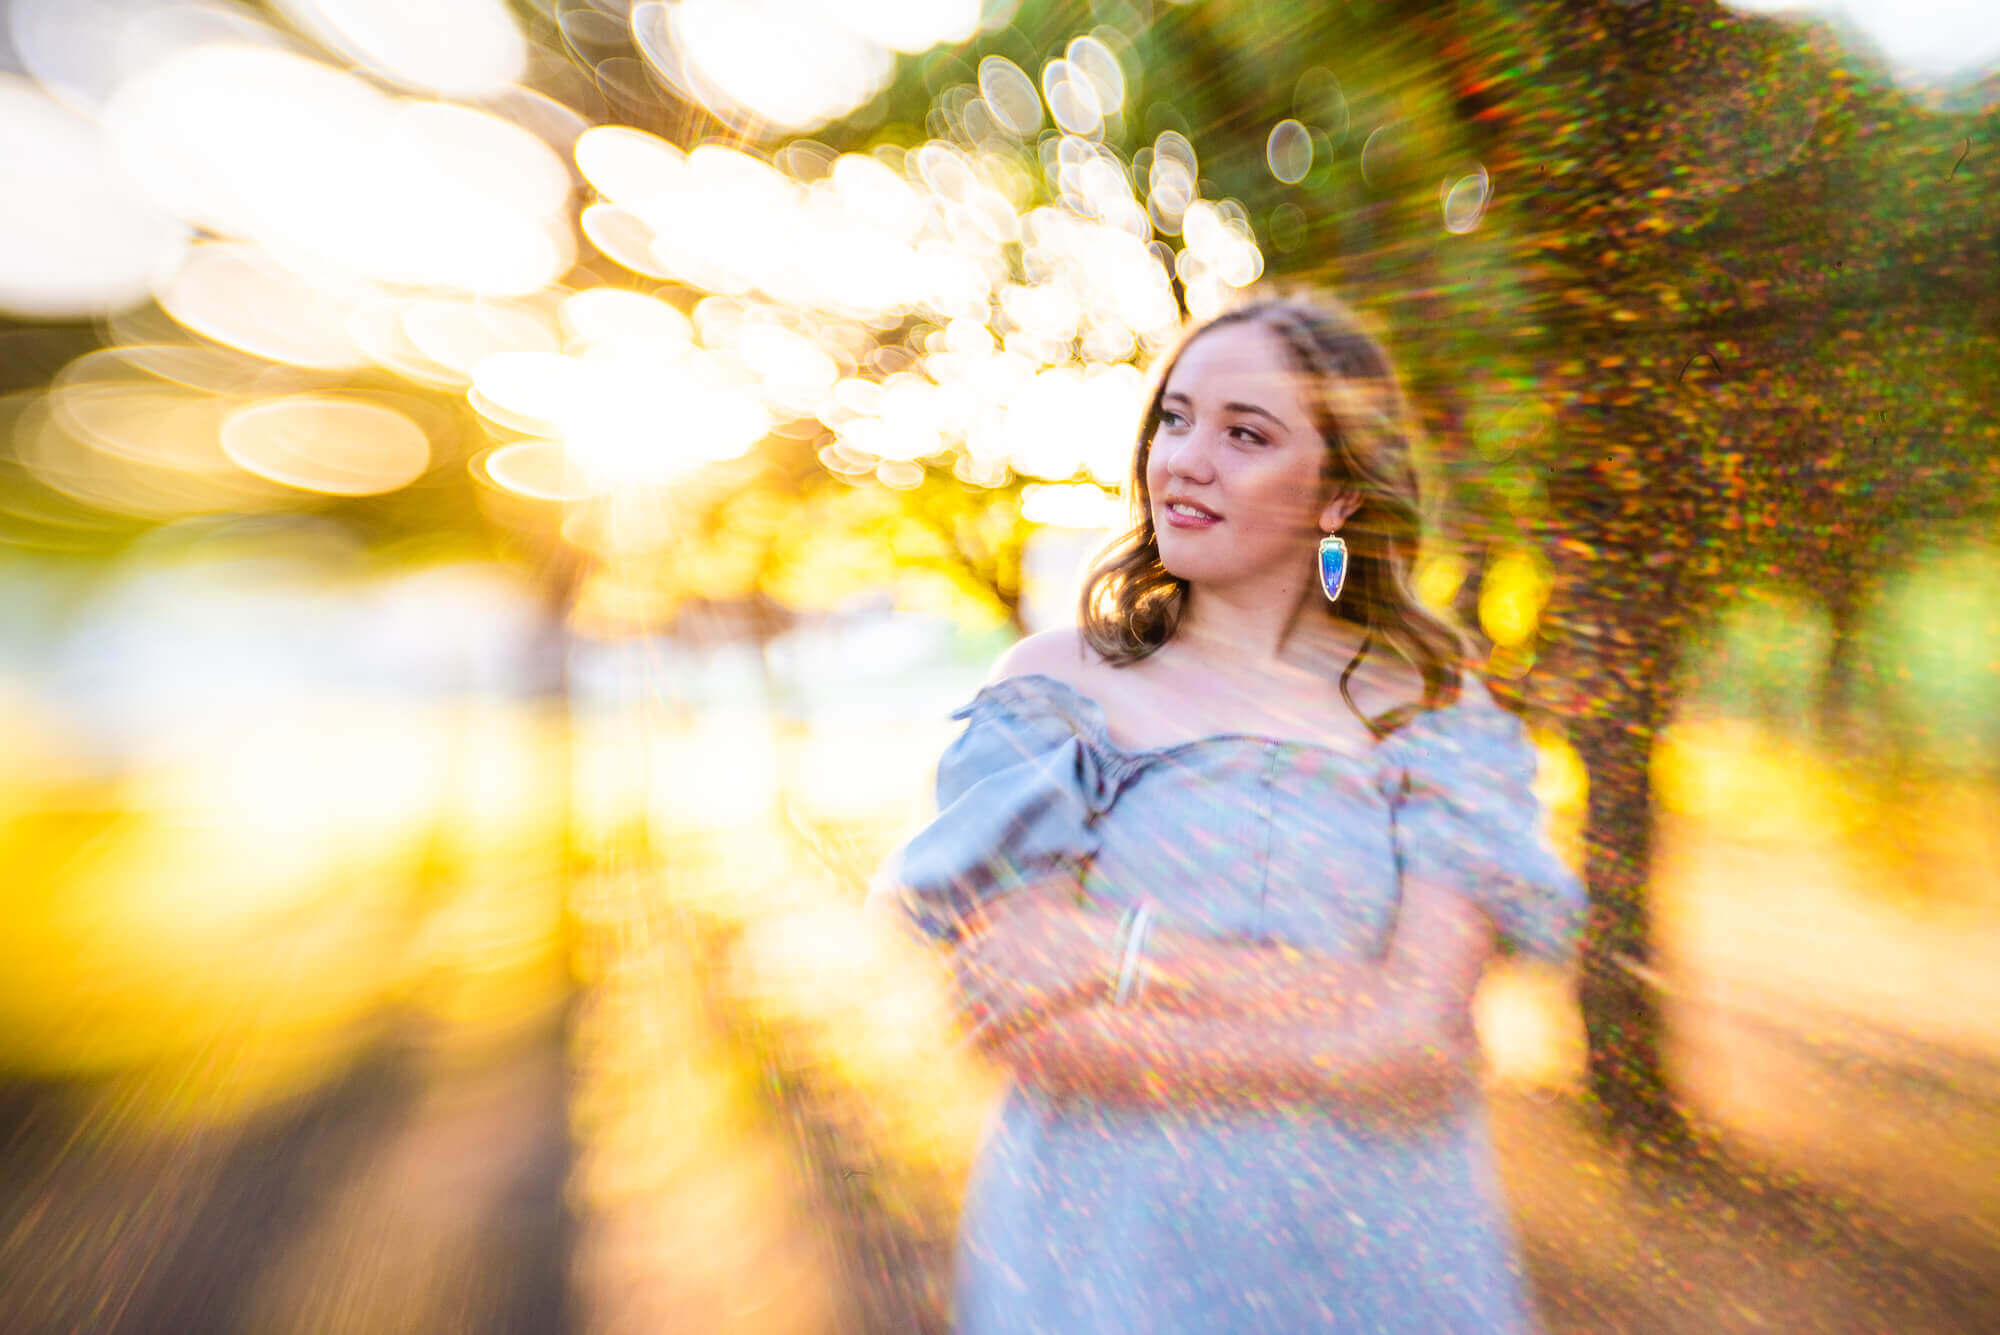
x,y
1332,565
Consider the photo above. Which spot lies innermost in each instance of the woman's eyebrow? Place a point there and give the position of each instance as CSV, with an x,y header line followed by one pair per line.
x,y
1265,413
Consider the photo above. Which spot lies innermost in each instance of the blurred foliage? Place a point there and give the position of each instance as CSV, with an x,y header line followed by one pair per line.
x,y
778,530
1932,639
1765,657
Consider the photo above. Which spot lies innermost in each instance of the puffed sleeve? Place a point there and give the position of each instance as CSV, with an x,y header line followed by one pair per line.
x,y
1017,797
1467,815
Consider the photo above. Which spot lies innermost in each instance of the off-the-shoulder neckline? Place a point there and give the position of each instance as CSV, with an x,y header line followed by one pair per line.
x,y
1094,719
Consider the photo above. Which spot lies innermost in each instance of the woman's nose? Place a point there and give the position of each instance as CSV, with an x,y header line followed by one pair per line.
x,y
1189,457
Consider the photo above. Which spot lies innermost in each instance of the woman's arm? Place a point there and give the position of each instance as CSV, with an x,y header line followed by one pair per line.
x,y
1046,947
1193,973
1416,1053
1401,1035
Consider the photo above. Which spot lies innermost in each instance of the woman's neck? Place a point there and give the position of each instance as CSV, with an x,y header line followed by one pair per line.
x,y
1270,636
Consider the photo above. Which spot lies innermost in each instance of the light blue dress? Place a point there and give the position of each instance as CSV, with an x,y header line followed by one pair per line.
x,y
1087,1218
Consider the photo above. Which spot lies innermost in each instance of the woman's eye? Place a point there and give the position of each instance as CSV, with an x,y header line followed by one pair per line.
x,y
1168,417
1244,433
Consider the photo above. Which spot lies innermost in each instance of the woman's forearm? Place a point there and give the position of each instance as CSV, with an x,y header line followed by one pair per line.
x,y
1414,1050
1194,973
1442,940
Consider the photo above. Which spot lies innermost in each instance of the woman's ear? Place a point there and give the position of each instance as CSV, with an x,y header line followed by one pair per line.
x,y
1344,502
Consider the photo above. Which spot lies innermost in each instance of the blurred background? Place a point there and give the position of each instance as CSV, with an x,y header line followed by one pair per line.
x,y
498,500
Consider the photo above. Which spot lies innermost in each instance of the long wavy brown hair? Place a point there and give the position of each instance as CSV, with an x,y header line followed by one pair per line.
x,y
1130,605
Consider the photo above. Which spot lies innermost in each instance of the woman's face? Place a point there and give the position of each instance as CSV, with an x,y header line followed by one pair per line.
x,y
1237,440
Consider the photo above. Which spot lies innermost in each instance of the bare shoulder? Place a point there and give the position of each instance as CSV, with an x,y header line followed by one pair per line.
x,y
1060,652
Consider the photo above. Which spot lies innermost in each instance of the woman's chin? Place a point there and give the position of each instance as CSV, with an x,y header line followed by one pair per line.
x,y
1194,572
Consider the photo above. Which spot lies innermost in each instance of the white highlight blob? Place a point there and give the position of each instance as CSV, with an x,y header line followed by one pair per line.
x,y
1010,95
623,237
207,367
1173,153
540,470
327,443
527,392
651,421
793,63
1081,505
735,225
78,236
153,423
240,140
540,115
783,61
460,48
628,166
62,44
1171,182
606,317
1095,61
236,293
1289,151
321,168
1051,423
459,335
909,26
501,165
176,470
869,193
795,372
626,414
461,199
1072,99
1464,201
376,326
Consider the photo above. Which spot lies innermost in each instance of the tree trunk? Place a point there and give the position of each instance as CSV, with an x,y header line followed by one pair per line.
x,y
1621,1014
1618,622
1835,705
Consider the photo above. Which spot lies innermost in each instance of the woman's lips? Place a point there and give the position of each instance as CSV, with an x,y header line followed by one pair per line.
x,y
1186,519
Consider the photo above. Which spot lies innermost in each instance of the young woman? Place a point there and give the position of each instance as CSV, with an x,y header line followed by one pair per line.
x,y
1218,871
